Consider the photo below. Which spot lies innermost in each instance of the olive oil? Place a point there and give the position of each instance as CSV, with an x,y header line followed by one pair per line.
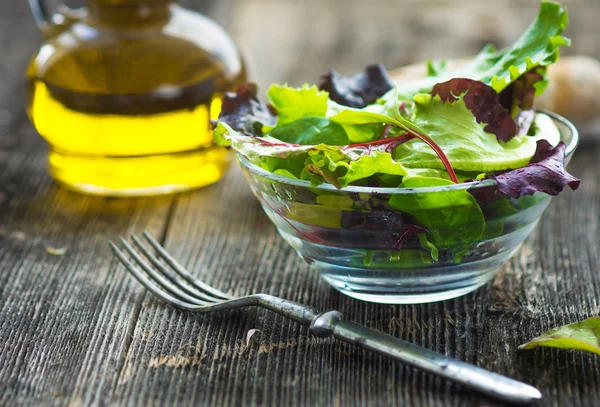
x,y
123,94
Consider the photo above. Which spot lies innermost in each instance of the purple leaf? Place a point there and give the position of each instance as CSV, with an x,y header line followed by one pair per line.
x,y
545,173
520,94
245,112
393,231
359,90
483,101
408,233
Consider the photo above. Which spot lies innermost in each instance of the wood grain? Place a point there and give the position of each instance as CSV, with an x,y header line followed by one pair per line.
x,y
75,330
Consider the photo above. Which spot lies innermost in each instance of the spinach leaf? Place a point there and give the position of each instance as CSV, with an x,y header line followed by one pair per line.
x,y
453,218
311,131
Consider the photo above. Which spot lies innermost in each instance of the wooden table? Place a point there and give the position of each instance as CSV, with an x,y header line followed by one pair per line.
x,y
77,330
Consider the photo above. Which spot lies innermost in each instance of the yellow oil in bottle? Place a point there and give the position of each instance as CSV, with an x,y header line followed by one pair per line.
x,y
124,104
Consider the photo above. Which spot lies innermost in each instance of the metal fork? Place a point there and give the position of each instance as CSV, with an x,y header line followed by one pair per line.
x,y
162,275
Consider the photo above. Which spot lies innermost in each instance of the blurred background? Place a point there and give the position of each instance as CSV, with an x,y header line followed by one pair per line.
x,y
392,32
296,41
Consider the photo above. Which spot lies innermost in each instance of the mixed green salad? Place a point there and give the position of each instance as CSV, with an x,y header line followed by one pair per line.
x,y
468,125
474,123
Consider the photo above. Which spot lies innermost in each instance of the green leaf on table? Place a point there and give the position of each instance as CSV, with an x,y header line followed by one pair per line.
x,y
453,218
584,335
464,141
292,104
538,46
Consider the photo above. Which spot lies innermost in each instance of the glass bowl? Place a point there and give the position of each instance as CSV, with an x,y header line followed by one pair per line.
x,y
367,250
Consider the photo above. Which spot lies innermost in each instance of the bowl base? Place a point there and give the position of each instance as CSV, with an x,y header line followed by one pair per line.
x,y
417,286
398,299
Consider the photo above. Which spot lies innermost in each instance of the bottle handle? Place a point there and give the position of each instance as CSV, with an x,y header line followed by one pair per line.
x,y
40,14
45,20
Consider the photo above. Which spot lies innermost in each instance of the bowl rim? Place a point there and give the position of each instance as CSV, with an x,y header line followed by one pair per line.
x,y
244,162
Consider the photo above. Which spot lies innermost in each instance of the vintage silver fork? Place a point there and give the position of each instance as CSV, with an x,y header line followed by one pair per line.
x,y
169,281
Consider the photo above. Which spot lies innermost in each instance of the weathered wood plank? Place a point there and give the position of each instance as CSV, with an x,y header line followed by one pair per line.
x,y
74,329
65,321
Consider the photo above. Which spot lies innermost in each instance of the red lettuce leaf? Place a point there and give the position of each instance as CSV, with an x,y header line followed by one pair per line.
x,y
545,173
483,101
520,94
519,98
393,225
410,231
359,90
243,111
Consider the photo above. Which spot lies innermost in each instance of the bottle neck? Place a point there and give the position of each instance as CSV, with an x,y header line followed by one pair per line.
x,y
130,13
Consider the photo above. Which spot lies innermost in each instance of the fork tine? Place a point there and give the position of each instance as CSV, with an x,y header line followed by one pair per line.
x,y
158,279
146,282
182,271
192,291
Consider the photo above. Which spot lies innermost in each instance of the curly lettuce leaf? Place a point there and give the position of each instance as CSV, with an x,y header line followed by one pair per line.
x,y
437,68
483,101
520,94
584,335
342,172
359,90
453,218
538,46
545,173
464,141
337,165
293,104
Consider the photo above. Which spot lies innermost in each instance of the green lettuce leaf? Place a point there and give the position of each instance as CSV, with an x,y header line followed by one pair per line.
x,y
293,104
538,46
341,171
584,335
311,130
337,165
436,68
464,141
453,218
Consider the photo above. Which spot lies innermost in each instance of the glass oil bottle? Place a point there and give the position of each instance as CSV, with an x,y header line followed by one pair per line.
x,y
123,91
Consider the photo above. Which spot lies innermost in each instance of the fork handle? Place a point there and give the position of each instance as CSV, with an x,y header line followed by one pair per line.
x,y
492,384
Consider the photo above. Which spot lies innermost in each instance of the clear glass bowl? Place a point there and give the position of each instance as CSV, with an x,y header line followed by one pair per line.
x,y
357,242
